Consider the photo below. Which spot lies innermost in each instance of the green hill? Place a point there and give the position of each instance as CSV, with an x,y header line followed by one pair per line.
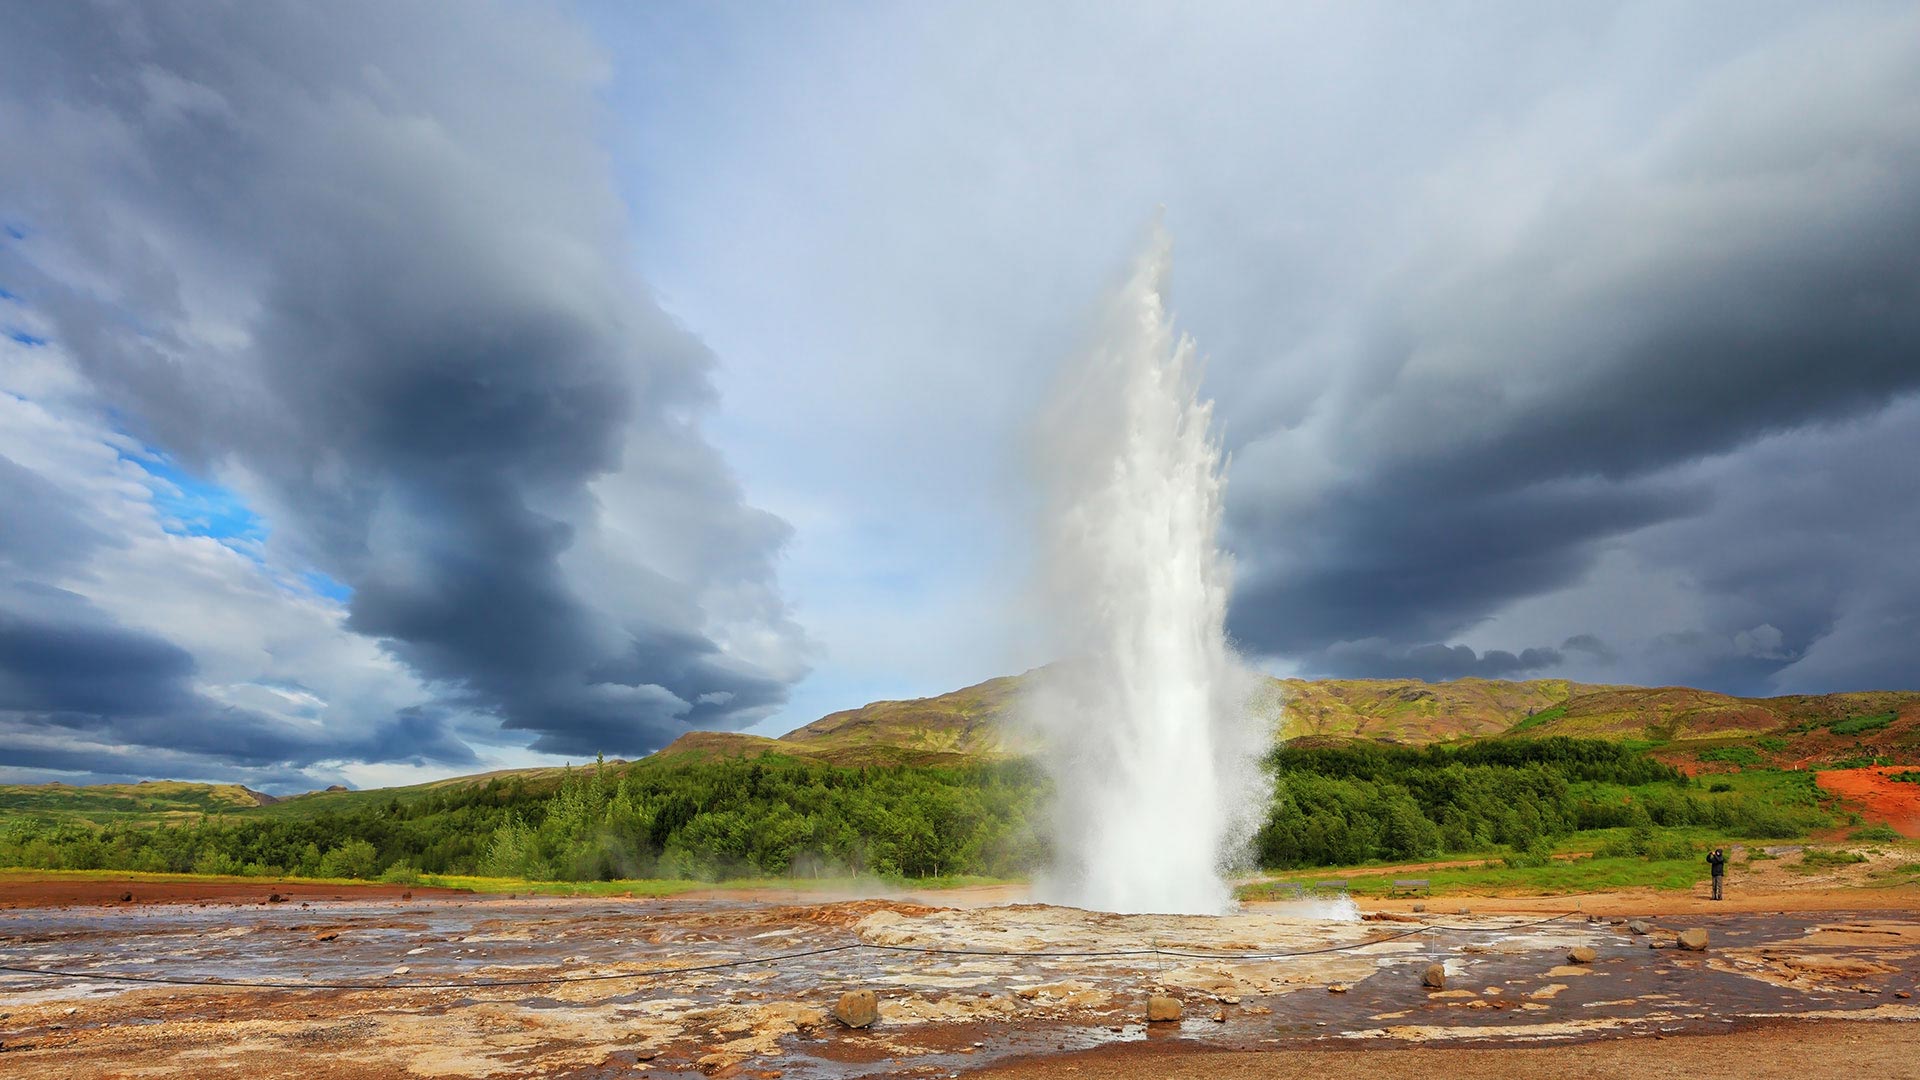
x,y
1695,729
147,800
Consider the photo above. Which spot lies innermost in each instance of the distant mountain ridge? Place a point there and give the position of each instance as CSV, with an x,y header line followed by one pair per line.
x,y
981,721
1693,728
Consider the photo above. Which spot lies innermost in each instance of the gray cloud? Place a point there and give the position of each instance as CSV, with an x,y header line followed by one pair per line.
x,y
1376,659
366,263
1745,268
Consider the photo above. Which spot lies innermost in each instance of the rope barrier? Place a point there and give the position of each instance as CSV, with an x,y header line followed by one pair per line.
x,y
751,961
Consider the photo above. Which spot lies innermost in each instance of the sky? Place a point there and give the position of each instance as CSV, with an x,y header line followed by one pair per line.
x,y
395,390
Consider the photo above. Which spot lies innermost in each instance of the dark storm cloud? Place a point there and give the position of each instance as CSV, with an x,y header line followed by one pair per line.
x,y
1434,663
70,676
1750,266
367,257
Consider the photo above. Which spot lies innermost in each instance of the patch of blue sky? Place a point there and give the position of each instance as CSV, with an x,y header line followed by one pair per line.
x,y
190,506
16,232
20,336
8,294
325,585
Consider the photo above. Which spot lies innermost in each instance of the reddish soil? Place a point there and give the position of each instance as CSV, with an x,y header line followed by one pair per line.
x,y
35,892
1781,1050
1878,797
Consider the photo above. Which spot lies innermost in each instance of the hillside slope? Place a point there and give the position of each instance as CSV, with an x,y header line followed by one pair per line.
x,y
1696,729
150,799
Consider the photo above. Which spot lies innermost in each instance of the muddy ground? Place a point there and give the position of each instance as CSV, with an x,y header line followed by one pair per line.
x,y
963,986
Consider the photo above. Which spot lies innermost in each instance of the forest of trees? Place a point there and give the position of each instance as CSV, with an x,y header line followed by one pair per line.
x,y
773,816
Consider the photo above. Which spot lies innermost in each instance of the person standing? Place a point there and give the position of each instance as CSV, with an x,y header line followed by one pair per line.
x,y
1717,861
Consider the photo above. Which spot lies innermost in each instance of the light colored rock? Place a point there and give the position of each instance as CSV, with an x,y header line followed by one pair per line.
x,y
1694,939
857,1008
1337,988
1639,926
1582,954
1435,977
1162,1009
402,970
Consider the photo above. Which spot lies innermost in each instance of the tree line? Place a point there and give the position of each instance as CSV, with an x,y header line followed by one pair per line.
x,y
780,816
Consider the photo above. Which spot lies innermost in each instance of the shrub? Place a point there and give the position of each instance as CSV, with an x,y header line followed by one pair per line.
x,y
400,873
1878,833
353,859
1818,857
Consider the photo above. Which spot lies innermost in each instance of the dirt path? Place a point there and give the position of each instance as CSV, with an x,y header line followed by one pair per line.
x,y
1785,1050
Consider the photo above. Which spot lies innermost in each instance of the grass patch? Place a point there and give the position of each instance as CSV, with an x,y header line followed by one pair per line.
x,y
1731,755
1855,725
1538,720
1826,858
1877,833
1578,875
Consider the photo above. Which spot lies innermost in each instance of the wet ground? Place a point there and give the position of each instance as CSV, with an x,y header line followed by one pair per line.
x,y
960,988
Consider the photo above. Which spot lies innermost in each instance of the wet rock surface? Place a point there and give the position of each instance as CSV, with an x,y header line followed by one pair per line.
x,y
1241,979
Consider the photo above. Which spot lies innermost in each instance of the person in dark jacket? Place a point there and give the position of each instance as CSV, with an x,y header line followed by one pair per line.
x,y
1717,859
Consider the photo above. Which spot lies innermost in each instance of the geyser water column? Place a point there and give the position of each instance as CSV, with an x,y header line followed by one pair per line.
x,y
1145,722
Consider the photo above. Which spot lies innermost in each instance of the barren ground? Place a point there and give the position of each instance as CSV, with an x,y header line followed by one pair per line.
x,y
1806,975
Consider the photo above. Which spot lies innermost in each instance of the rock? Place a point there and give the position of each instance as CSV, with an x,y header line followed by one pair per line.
x,y
1901,994
1639,926
1694,939
1337,988
403,970
275,898
1581,954
408,895
126,898
1435,977
1419,908
1162,1009
326,935
1219,1016
857,1008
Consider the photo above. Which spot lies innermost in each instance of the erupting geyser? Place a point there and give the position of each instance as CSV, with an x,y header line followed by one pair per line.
x,y
1146,721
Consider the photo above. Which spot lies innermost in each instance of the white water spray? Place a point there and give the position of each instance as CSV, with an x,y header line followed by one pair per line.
x,y
1145,725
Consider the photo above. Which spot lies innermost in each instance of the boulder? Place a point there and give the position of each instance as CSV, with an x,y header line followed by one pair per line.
x,y
1639,926
1162,1009
1337,988
1582,954
126,898
1435,977
857,1008
1694,939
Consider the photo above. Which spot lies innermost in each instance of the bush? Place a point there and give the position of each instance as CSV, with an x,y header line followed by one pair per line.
x,y
353,859
400,873
1819,857
1877,833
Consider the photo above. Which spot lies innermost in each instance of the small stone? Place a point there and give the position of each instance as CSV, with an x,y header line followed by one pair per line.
x,y
275,898
1337,988
1582,954
1862,988
1639,926
1694,939
1162,1009
326,935
126,898
408,895
1902,994
857,1008
1419,909
1219,1016
403,970
1435,977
